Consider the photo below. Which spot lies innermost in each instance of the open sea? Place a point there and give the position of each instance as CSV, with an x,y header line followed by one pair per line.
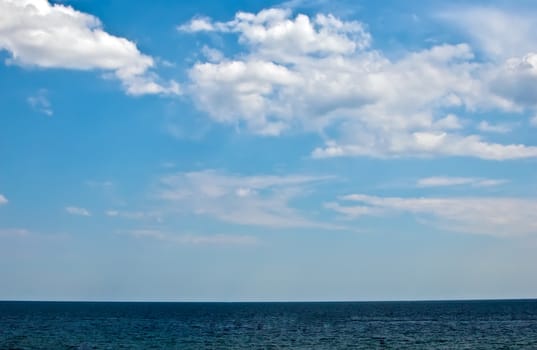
x,y
324,325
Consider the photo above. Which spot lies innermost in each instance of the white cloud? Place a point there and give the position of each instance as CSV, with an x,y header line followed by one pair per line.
x,y
426,144
37,33
489,182
354,211
134,215
279,36
533,121
212,55
496,128
443,181
41,103
319,74
244,200
200,24
218,239
77,211
449,122
483,215
3,199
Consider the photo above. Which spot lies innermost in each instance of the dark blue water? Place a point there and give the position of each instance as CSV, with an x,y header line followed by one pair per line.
x,y
371,325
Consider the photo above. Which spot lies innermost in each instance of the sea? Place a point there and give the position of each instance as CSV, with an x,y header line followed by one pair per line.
x,y
506,324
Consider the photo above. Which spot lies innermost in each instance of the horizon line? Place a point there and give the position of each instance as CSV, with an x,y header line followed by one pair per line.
x,y
265,301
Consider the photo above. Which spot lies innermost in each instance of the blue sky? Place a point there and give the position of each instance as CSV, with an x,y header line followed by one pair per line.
x,y
257,150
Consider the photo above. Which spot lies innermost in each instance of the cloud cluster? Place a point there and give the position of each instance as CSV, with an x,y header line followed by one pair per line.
x,y
245,200
37,33
483,215
320,74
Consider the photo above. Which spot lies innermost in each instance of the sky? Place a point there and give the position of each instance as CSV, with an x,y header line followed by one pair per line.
x,y
268,151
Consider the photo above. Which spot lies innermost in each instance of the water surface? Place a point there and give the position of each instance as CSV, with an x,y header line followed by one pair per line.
x,y
338,325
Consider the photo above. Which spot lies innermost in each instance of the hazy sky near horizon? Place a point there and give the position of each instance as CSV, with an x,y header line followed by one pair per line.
x,y
264,150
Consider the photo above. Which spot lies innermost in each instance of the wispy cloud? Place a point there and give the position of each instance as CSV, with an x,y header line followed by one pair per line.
x,y
106,184
506,37
3,199
135,215
443,181
13,232
247,200
502,128
500,32
40,102
533,121
217,239
194,132
168,165
77,211
483,215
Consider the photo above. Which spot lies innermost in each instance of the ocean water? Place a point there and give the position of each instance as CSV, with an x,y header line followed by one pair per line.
x,y
338,325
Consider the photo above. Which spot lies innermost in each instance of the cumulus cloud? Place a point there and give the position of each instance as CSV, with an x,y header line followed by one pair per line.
x,y
281,37
244,200
320,74
482,215
444,181
516,79
40,102
195,239
77,211
3,199
37,33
